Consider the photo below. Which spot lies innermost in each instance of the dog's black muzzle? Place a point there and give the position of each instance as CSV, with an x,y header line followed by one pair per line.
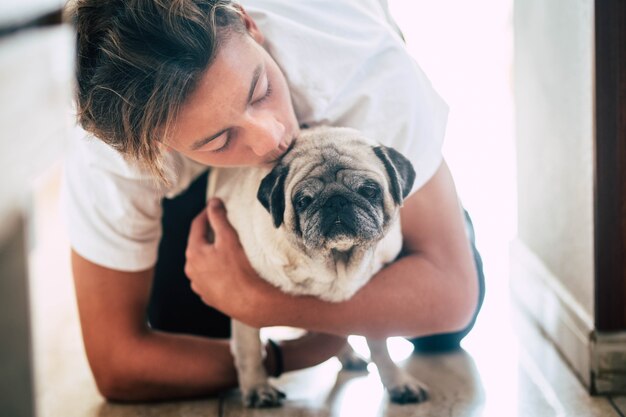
x,y
338,218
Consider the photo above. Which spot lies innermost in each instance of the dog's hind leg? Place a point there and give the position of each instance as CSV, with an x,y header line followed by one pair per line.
x,y
351,360
248,352
402,387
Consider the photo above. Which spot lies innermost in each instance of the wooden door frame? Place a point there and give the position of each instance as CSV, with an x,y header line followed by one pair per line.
x,y
610,165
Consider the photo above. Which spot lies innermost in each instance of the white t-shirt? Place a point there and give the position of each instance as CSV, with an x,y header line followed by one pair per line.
x,y
345,65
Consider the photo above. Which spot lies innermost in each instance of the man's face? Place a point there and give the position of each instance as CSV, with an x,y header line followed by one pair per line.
x,y
240,113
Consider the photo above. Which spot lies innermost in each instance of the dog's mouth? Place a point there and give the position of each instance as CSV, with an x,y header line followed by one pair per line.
x,y
338,224
339,227
340,234
341,230
336,237
341,243
342,255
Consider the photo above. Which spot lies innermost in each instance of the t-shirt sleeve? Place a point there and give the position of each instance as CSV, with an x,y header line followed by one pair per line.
x,y
347,65
112,208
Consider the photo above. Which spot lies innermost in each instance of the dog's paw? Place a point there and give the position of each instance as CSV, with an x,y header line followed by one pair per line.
x,y
408,392
263,396
352,361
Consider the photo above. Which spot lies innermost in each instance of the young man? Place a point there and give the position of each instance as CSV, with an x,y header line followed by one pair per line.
x,y
176,86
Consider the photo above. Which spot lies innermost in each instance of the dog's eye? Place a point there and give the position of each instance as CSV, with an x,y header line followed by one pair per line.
x,y
303,202
369,191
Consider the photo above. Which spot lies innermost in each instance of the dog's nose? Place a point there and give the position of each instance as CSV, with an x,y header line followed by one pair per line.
x,y
336,203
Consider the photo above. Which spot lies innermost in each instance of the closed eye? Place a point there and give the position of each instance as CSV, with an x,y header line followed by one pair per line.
x,y
229,135
226,144
268,93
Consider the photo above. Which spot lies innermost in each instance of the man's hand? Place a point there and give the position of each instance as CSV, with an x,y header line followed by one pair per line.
x,y
219,271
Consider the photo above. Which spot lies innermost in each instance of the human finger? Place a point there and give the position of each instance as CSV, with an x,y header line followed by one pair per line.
x,y
198,230
218,219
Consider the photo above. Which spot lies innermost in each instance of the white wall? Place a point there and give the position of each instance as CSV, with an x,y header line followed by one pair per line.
x,y
554,129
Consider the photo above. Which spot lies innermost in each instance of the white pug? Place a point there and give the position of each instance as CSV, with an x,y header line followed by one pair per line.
x,y
321,222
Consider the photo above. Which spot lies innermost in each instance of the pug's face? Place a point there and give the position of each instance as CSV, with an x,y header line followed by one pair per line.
x,y
335,189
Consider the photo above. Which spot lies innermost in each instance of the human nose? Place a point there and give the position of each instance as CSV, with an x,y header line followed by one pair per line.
x,y
265,134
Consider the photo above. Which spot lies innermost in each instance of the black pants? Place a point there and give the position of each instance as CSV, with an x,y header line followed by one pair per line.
x,y
175,308
450,341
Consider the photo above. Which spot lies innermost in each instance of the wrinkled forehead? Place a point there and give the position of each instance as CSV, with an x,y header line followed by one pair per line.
x,y
329,145
330,163
347,160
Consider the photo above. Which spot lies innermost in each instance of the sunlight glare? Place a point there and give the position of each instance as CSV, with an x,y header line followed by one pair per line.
x,y
399,348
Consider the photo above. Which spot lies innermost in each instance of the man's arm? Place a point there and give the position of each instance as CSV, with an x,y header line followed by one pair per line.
x,y
432,289
131,362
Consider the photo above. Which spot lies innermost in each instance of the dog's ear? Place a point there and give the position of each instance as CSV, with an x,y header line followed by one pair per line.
x,y
400,171
271,193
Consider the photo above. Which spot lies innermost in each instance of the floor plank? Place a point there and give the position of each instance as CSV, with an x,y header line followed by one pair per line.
x,y
205,408
620,404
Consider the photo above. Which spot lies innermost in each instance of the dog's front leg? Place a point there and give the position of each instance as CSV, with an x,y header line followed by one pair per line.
x,y
402,387
248,352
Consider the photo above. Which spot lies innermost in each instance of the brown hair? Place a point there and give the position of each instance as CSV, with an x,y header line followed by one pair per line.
x,y
137,61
